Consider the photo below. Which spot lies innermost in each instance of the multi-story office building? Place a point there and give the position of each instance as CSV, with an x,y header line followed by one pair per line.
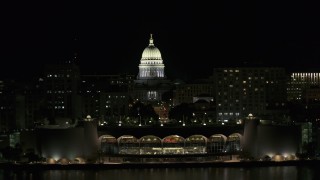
x,y
312,95
7,105
300,82
21,104
241,91
61,90
303,94
105,96
30,103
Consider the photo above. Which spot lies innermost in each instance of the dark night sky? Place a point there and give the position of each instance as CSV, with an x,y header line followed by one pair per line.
x,y
193,36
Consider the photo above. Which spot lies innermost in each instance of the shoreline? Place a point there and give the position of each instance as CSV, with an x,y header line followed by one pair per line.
x,y
244,164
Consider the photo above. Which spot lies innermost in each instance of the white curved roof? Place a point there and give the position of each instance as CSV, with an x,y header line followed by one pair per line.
x,y
151,52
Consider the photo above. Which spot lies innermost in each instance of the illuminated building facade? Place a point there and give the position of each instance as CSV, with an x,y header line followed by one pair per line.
x,y
303,94
254,138
241,91
151,81
151,64
171,144
83,140
301,82
67,142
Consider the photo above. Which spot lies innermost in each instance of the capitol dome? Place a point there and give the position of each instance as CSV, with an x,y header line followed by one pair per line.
x,y
151,64
151,52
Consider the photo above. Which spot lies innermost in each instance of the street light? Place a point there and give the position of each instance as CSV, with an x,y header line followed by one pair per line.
x,y
183,124
120,122
139,116
204,119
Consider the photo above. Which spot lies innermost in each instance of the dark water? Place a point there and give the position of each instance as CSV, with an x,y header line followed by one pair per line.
x,y
264,173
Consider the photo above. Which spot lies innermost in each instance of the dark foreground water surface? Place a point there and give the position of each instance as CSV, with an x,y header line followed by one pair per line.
x,y
266,173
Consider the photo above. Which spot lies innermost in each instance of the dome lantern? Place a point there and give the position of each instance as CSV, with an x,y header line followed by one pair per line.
x,y
151,52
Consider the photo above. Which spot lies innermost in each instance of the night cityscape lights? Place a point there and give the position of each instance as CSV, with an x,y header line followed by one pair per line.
x,y
238,113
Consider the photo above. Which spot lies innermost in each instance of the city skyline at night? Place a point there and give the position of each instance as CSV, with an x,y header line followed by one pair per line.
x,y
194,38
230,88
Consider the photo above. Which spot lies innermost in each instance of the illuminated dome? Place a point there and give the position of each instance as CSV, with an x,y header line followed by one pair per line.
x,y
151,52
151,64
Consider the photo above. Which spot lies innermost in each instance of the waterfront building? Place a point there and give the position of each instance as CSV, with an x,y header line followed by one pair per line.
x,y
69,142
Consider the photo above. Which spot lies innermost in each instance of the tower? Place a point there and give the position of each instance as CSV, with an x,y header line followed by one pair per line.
x,y
250,135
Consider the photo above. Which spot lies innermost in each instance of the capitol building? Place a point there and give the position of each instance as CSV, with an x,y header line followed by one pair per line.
x,y
151,81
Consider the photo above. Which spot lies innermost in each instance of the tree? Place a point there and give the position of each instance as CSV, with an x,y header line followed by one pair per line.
x,y
167,96
182,111
145,112
12,154
31,156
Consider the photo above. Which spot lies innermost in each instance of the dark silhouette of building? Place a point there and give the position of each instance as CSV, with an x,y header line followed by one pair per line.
x,y
7,105
186,92
105,97
61,84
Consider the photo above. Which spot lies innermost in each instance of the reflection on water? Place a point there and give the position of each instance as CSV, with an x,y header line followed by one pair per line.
x,y
263,173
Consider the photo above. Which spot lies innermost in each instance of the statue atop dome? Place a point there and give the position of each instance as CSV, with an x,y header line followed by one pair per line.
x,y
151,40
